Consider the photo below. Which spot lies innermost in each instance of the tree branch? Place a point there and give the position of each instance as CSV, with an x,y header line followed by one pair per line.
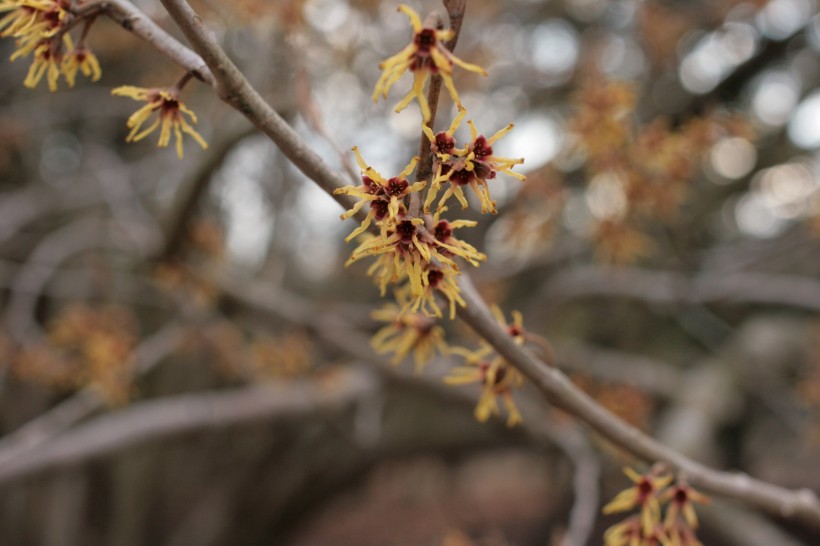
x,y
668,287
133,20
165,418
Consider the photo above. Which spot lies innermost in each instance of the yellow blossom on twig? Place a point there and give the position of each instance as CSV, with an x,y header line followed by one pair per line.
x,y
46,63
643,494
41,27
471,166
32,19
82,60
171,116
440,281
496,376
425,55
406,333
384,195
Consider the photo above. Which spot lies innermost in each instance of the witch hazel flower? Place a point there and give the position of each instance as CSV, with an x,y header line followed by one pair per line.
x,y
82,60
41,28
384,195
497,377
426,55
440,281
31,20
407,333
171,116
471,166
406,248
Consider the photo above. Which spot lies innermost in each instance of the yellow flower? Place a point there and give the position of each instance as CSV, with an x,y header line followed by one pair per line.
x,y
443,232
439,281
643,494
471,166
516,328
406,333
625,533
46,63
385,196
497,378
406,248
171,116
425,55
32,18
83,60
680,500
630,533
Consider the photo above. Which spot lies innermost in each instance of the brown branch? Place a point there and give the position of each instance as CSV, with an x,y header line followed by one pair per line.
x,y
165,418
668,287
554,385
706,401
133,20
235,89
338,332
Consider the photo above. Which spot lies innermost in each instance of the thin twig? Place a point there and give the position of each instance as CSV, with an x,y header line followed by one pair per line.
x,y
668,287
133,20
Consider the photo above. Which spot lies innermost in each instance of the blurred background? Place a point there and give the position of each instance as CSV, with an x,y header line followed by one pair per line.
x,y
185,360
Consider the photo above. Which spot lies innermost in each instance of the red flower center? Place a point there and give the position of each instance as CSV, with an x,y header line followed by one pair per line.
x,y
396,187
425,40
406,230
442,231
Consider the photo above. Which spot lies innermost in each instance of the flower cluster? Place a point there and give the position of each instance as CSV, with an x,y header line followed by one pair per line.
x,y
407,332
639,173
41,28
416,252
416,249
651,493
470,166
85,346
